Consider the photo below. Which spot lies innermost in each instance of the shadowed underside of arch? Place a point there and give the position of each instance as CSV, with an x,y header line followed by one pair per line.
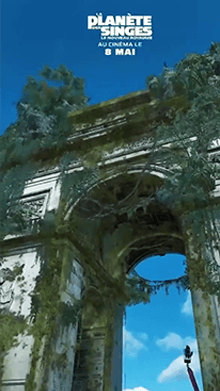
x,y
123,219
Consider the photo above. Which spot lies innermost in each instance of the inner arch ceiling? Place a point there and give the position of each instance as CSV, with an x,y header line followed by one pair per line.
x,y
125,212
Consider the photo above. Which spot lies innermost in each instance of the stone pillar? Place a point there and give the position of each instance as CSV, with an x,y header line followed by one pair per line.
x,y
117,364
64,347
18,270
206,315
39,305
90,358
98,364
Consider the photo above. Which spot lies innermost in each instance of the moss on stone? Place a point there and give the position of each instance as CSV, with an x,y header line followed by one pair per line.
x,y
130,108
11,326
49,315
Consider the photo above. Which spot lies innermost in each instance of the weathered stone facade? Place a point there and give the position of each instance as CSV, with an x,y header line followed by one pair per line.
x,y
87,354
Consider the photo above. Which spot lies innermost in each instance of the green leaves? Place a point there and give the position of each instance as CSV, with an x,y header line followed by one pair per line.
x,y
193,172
190,92
189,77
42,122
139,289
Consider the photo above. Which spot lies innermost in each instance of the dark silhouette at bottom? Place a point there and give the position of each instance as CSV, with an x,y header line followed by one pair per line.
x,y
187,361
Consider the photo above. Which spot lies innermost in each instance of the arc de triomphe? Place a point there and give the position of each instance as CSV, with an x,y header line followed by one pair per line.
x,y
88,254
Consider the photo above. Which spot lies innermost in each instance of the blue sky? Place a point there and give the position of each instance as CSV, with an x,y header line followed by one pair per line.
x,y
35,33
39,32
156,333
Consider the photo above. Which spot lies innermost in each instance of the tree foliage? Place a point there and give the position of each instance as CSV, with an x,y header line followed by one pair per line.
x,y
188,191
42,122
183,147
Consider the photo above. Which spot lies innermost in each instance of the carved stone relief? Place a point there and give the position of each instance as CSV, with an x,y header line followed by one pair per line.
x,y
7,280
34,208
6,291
17,280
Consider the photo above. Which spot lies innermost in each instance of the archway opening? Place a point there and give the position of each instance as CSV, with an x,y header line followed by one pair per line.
x,y
155,334
125,227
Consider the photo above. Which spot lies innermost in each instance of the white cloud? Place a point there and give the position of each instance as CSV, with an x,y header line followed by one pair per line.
x,y
177,369
137,389
187,306
174,341
132,346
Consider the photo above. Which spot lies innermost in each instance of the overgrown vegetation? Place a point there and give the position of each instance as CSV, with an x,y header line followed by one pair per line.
x,y
184,148
42,123
182,145
194,171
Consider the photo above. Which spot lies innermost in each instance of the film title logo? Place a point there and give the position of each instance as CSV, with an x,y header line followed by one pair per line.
x,y
127,26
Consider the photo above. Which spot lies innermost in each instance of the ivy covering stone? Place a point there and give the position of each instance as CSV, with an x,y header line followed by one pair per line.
x,y
188,101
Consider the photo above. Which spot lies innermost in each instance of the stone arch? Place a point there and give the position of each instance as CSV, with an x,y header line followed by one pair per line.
x,y
155,224
160,245
132,119
158,227
127,169
123,183
111,255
